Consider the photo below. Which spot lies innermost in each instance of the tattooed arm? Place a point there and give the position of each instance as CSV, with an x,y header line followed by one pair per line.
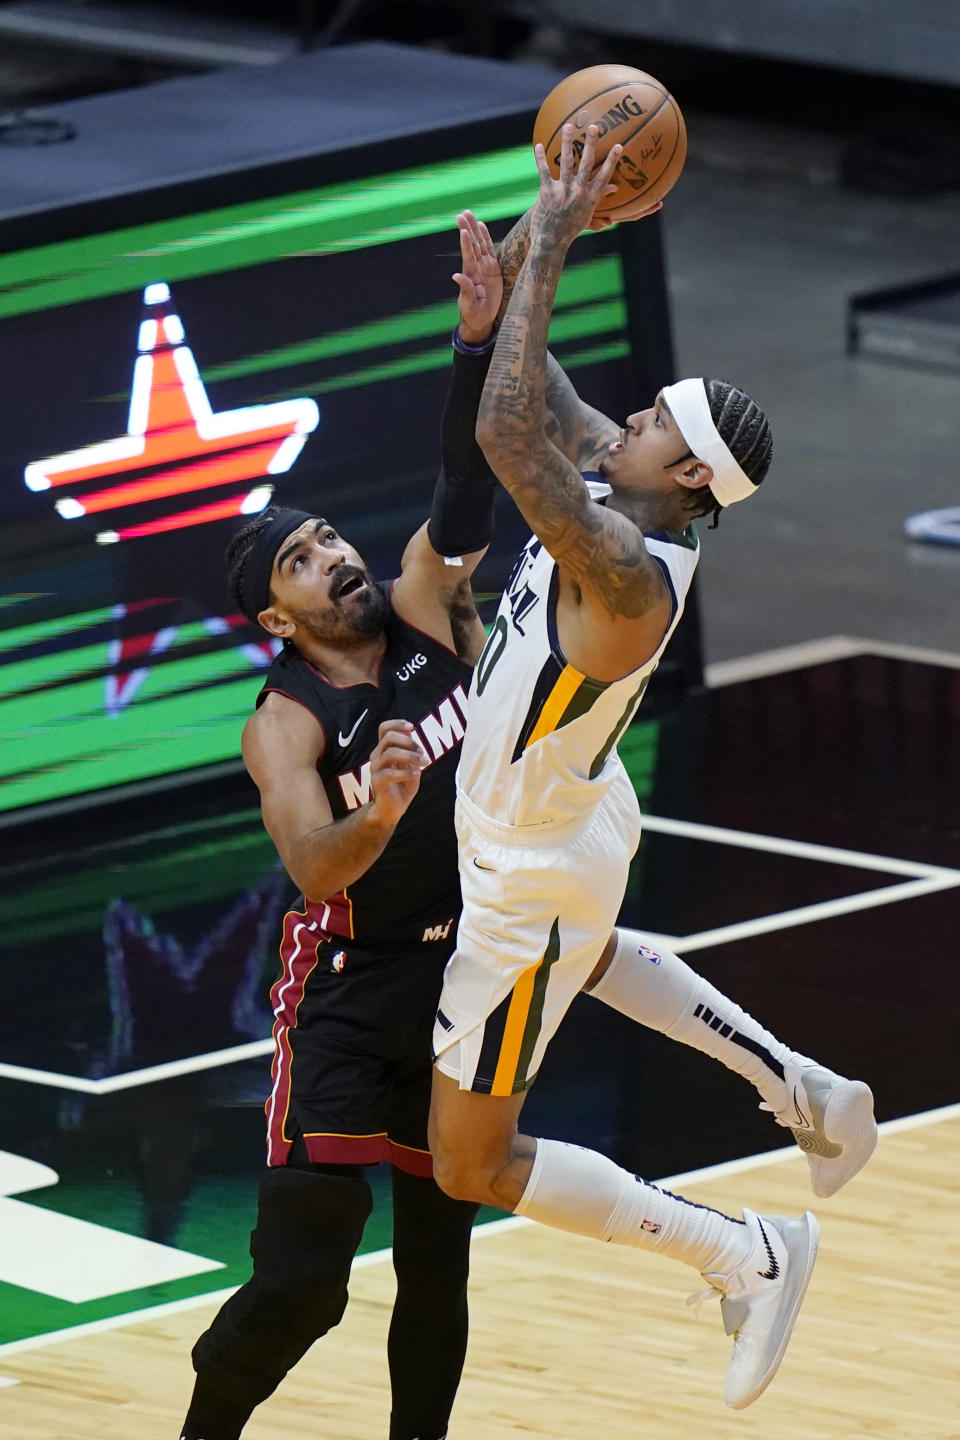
x,y
511,252
580,431
601,551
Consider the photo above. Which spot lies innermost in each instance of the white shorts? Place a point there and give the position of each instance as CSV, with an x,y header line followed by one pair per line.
x,y
535,920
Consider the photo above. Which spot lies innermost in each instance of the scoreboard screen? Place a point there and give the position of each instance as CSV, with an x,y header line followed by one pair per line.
x,y
163,382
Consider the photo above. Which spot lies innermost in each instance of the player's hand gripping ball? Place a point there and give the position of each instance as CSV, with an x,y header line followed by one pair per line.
x,y
629,108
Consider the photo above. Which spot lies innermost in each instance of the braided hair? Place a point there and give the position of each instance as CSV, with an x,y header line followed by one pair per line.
x,y
745,430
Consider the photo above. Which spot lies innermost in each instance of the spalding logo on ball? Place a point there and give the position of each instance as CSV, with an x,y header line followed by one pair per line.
x,y
629,108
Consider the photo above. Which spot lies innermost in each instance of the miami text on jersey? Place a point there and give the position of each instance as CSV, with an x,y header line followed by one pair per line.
x,y
437,732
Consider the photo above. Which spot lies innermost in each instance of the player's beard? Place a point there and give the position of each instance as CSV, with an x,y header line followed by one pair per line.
x,y
350,620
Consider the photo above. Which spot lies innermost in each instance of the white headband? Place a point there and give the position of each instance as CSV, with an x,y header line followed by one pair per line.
x,y
690,408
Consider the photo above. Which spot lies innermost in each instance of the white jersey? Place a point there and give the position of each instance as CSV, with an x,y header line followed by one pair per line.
x,y
540,747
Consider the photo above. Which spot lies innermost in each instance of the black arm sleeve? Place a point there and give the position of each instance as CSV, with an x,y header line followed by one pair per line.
x,y
461,516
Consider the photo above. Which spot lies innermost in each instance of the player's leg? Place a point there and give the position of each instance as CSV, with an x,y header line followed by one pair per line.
x,y
428,1330
477,1153
431,1233
831,1117
323,1122
309,1225
760,1266
523,953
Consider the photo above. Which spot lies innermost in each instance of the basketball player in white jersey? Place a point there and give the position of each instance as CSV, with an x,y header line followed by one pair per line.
x,y
548,822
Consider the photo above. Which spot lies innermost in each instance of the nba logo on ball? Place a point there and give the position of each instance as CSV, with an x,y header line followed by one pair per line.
x,y
629,108
650,955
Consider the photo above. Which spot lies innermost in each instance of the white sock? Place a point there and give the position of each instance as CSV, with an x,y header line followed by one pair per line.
x,y
587,1194
659,990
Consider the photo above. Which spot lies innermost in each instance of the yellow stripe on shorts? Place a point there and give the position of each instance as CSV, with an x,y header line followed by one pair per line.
x,y
513,1032
524,1021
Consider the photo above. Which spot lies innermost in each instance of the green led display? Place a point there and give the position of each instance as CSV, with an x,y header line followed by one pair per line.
x,y
332,219
187,709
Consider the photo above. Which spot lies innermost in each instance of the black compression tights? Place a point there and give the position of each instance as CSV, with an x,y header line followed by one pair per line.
x,y
428,1332
309,1226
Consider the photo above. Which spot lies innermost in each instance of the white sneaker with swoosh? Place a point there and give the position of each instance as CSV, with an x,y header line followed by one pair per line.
x,y
831,1120
760,1301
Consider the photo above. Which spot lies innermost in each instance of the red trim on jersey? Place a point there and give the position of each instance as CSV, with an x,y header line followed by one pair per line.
x,y
346,1149
299,954
414,1162
333,917
367,1150
275,690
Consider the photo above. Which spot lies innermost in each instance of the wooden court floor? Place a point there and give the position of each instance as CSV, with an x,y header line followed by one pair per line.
x,y
825,899
574,1340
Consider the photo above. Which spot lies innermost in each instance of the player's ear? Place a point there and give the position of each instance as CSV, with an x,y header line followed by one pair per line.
x,y
276,622
694,474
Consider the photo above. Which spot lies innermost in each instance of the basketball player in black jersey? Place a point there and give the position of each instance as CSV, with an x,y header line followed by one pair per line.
x,y
354,745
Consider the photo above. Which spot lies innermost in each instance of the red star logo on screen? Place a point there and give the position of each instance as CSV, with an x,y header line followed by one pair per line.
x,y
175,444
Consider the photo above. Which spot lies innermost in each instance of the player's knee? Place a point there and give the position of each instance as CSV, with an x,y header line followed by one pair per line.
x,y
459,1176
451,1176
471,1144
308,1230
463,1175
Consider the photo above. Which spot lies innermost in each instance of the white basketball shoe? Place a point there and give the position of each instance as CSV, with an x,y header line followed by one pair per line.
x,y
760,1301
831,1120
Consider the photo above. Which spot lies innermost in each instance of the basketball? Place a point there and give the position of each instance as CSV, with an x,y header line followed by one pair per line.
x,y
629,108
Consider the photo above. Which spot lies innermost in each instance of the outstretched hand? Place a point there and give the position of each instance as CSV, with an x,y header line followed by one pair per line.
x,y
479,281
567,205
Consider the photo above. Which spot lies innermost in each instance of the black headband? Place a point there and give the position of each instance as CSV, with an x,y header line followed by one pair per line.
x,y
255,584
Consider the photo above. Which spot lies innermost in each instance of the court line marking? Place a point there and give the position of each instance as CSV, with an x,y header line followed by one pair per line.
x,y
797,849
494,1227
805,915
927,880
252,1050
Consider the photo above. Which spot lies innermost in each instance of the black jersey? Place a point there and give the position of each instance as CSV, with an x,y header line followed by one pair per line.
x,y
411,892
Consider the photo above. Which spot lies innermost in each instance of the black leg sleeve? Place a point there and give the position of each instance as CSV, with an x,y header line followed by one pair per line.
x,y
428,1332
308,1229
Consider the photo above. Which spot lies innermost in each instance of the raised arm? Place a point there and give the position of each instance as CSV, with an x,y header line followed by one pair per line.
x,y
580,431
600,550
434,591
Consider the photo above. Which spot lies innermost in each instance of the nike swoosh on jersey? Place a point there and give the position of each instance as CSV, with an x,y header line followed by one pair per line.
x,y
344,740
